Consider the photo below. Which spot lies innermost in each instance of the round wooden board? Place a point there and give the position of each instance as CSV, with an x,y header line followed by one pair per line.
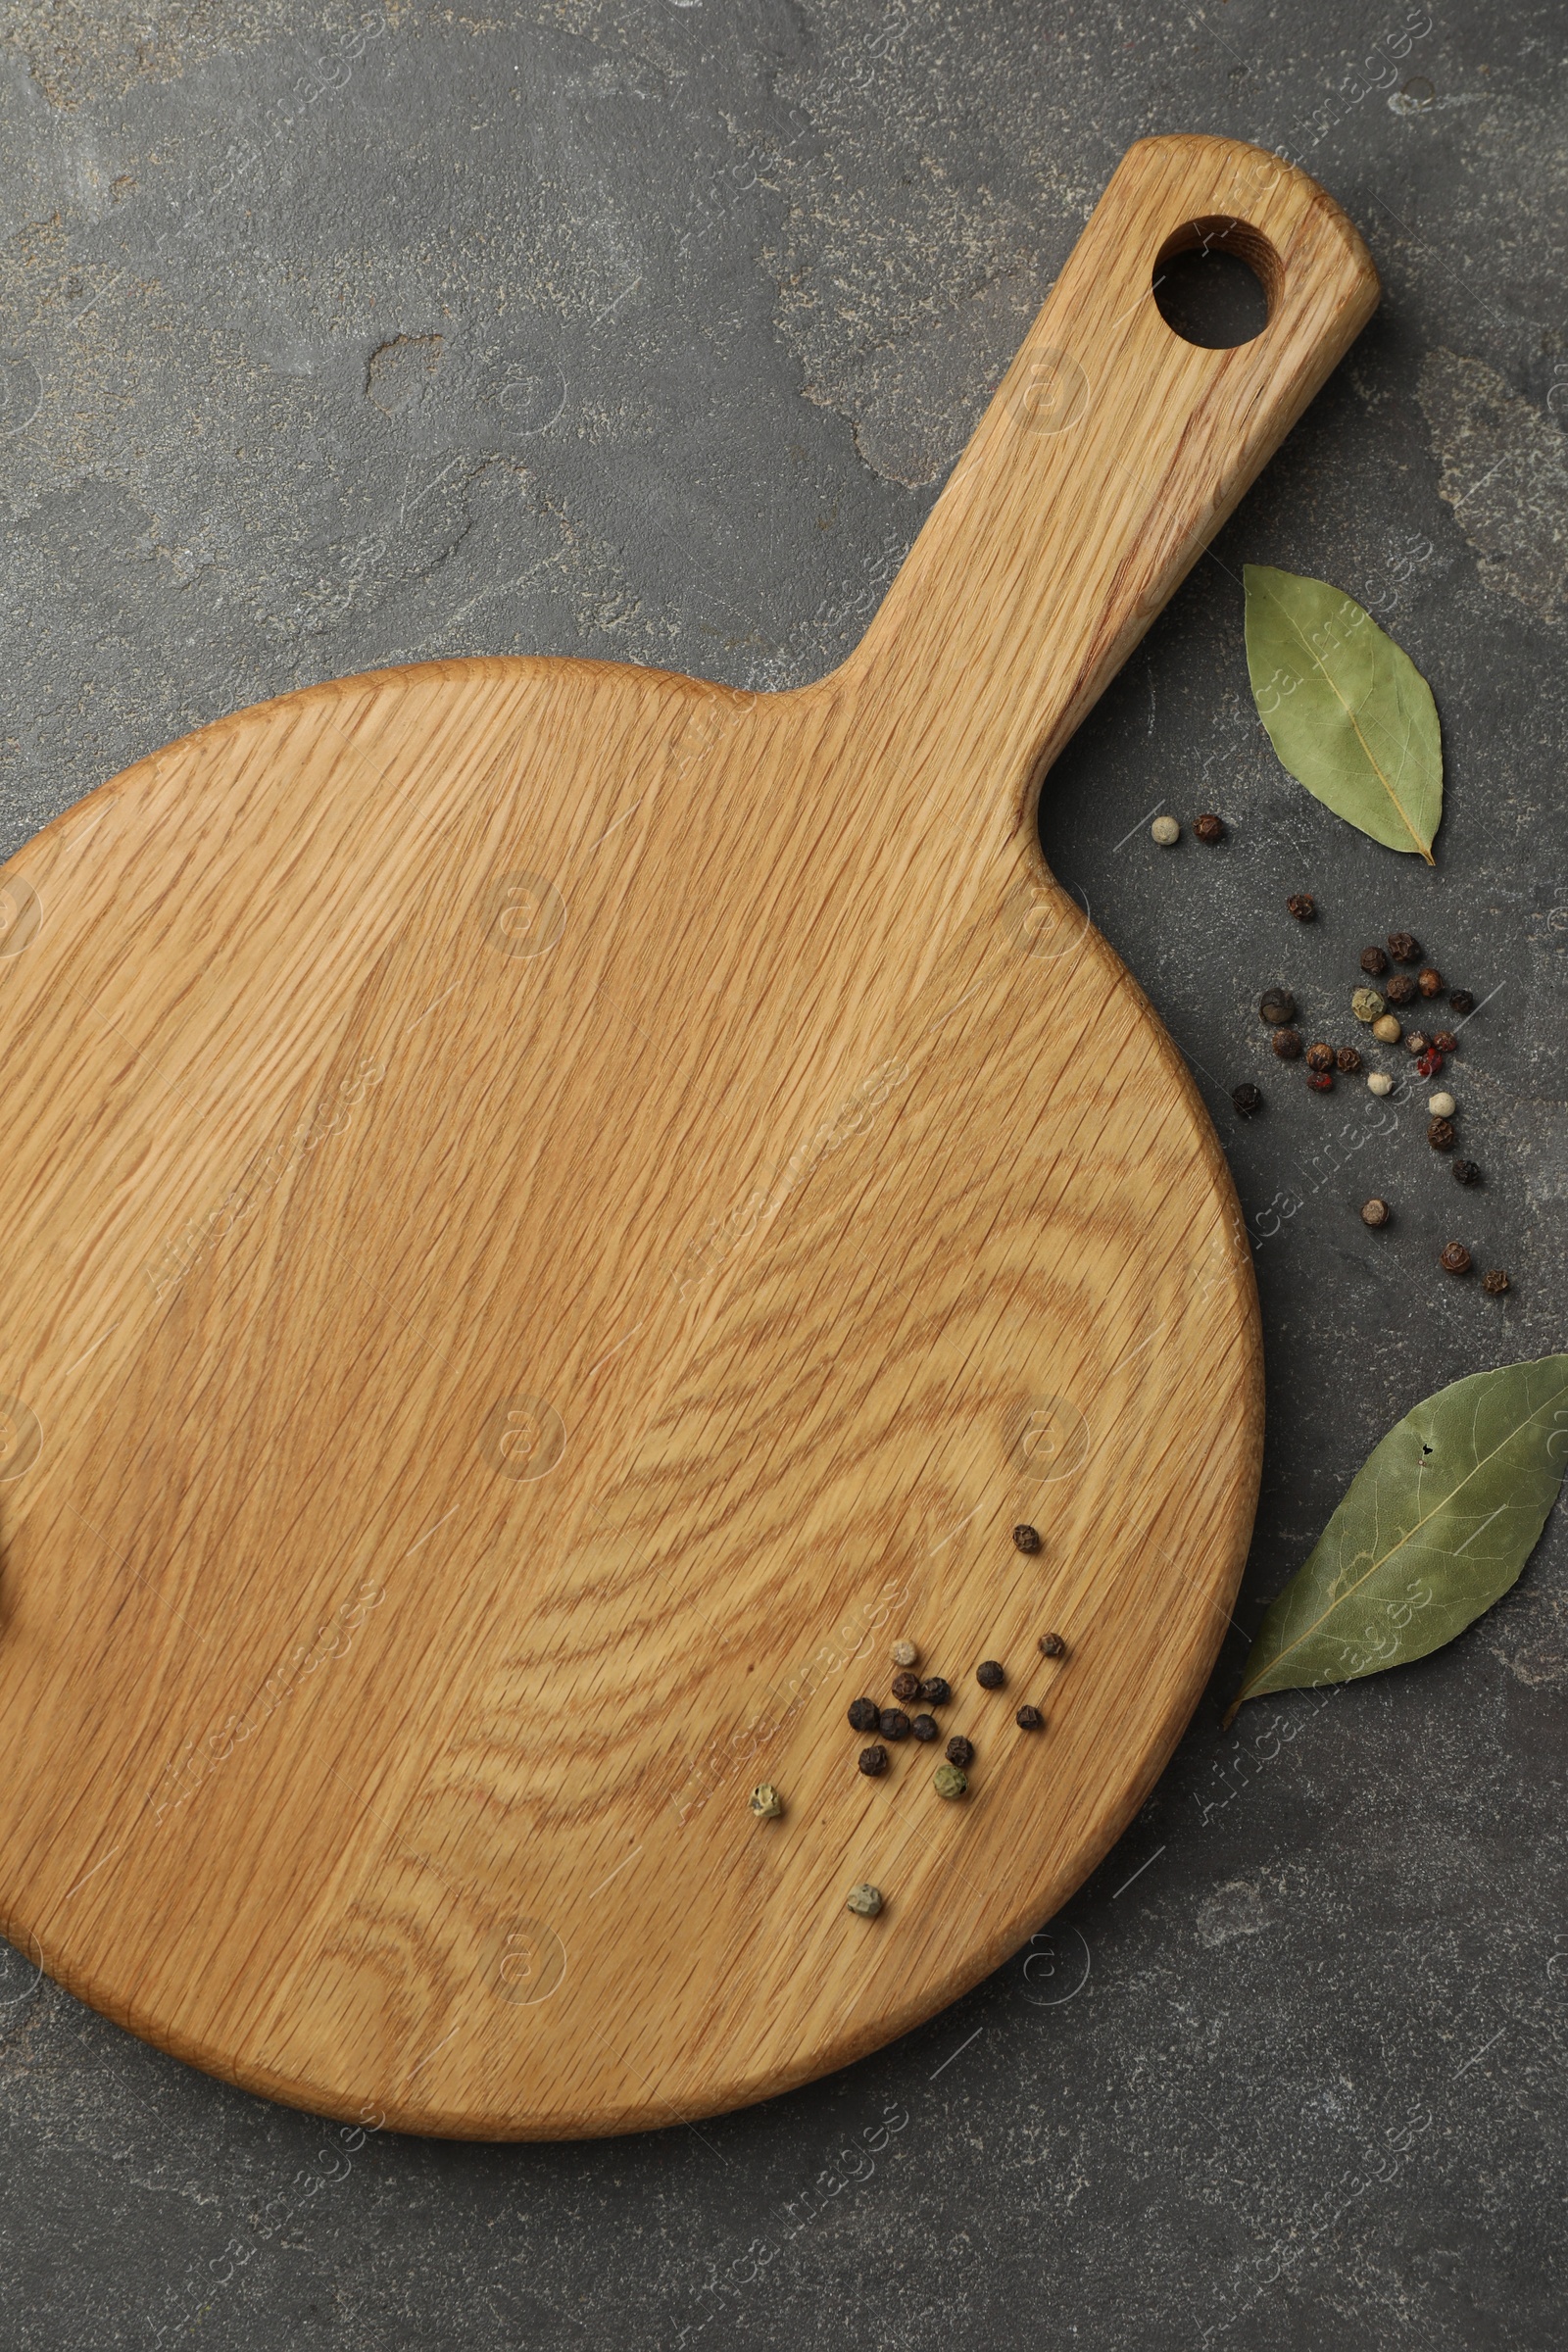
x,y
554,1212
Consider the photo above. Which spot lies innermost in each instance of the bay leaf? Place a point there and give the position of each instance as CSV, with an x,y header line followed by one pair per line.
x,y
1346,710
1436,1525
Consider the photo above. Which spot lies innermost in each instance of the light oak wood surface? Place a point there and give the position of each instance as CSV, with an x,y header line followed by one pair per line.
x,y
553,1211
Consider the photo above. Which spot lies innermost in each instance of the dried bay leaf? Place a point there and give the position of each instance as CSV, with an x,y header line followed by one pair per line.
x,y
1347,712
1436,1526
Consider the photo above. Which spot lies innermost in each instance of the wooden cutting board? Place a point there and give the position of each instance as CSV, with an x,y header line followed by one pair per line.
x,y
553,1212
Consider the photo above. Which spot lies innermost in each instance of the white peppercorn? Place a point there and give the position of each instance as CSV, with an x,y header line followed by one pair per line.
x,y
1165,830
1380,1083
1386,1031
905,1653
1441,1105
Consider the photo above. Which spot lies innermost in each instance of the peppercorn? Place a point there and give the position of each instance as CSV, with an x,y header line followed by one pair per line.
x,y
1375,1212
905,1653
1444,1041
1320,1081
925,1727
1245,1100
1051,1646
767,1804
1441,1135
1428,1064
1374,960
1494,1282
905,1685
1277,1006
1461,999
1302,905
1287,1044
893,1724
1348,1060
1465,1171
1454,1258
1403,949
1416,1041
934,1691
949,1780
872,1760
989,1675
1400,989
1029,1719
1367,1003
1380,1083
1166,832
1441,1106
1429,981
1386,1031
1209,828
961,1751
1320,1057
1027,1539
865,1902
864,1714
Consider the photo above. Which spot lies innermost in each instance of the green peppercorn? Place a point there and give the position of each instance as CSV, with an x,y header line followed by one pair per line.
x,y
767,1802
950,1780
865,1900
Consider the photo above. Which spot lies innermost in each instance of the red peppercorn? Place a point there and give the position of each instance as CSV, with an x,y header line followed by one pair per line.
x,y
1320,1081
1428,1064
1454,1258
1444,1041
1287,1044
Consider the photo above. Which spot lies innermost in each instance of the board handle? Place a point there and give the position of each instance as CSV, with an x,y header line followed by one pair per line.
x,y
1110,454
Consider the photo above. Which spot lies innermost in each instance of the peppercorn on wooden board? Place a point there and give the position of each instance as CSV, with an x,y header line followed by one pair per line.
x,y
555,1210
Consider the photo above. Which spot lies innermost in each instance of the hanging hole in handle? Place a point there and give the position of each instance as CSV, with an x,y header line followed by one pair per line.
x,y
1217,283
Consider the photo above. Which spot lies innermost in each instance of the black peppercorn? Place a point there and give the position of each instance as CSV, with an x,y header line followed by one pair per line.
x,y
1029,1719
1455,1259
872,1760
1374,960
1400,990
864,1714
1209,828
905,1685
1494,1282
1320,1057
1348,1060
1244,1099
1276,1005
1444,1041
1461,999
893,1724
1051,1646
1465,1171
1405,948
1287,1044
934,1691
1027,1539
1302,905
925,1727
1375,1212
961,1751
989,1675
1429,981
1441,1135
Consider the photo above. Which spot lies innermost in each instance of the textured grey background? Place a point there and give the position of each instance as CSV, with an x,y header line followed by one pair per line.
x,y
330,339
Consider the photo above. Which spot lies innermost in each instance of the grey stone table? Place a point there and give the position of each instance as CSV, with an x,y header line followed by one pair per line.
x,y
648,331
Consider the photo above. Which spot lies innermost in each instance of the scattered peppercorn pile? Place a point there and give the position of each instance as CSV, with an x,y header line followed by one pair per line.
x,y
1427,1050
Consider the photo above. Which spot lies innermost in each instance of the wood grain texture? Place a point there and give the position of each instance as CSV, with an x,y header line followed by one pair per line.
x,y
553,1210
